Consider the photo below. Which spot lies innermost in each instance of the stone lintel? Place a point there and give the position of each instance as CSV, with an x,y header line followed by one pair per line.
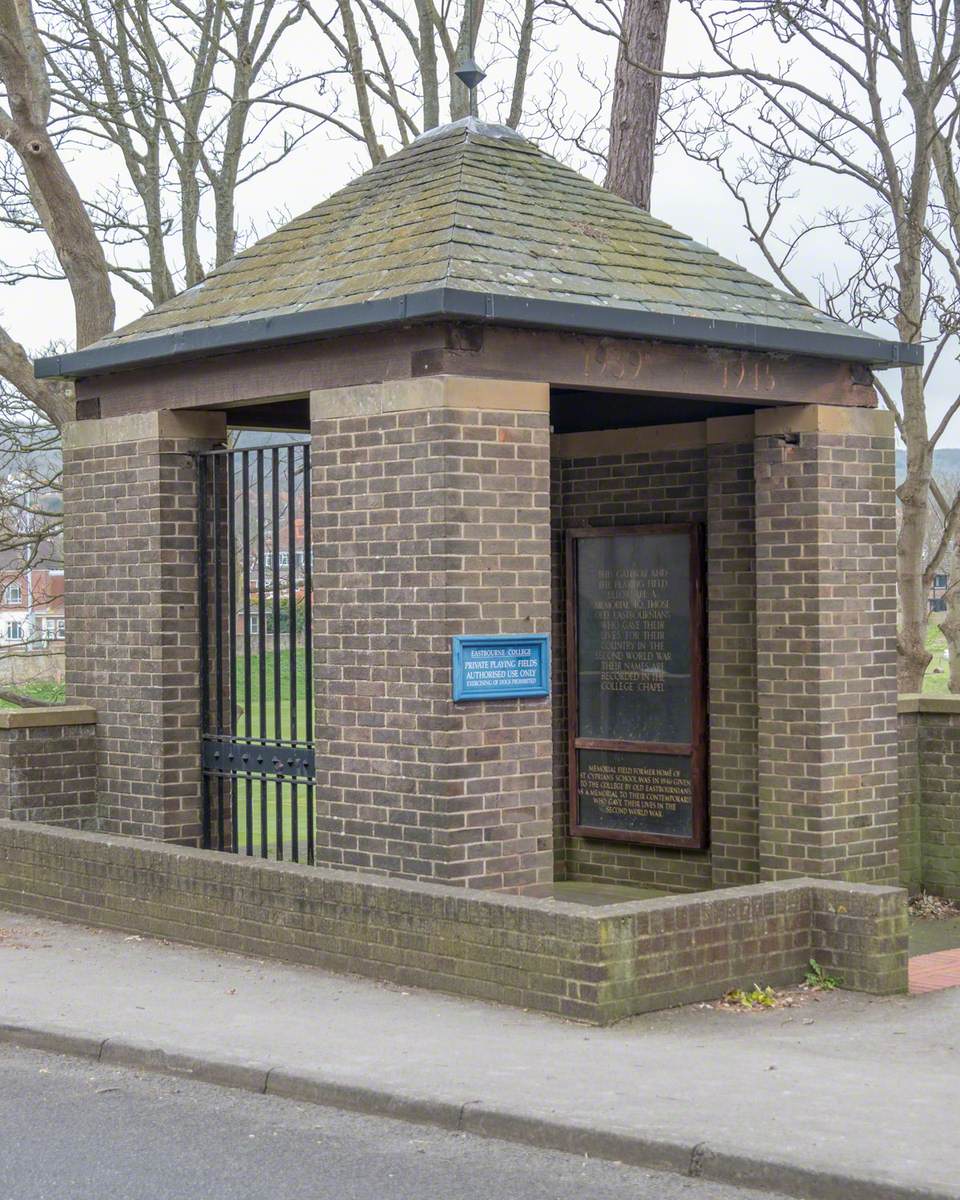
x,y
728,431
650,439
823,418
145,427
435,391
47,717
645,439
693,435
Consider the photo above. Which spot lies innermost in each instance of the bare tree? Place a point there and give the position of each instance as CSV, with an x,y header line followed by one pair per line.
x,y
187,99
834,127
189,95
395,63
25,116
635,105
620,131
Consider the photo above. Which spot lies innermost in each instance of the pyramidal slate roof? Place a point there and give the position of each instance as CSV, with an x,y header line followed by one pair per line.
x,y
472,221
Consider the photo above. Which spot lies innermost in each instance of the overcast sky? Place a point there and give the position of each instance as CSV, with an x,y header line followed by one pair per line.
x,y
687,195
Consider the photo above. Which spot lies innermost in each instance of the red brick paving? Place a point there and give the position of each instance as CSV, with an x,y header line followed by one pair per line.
x,y
933,972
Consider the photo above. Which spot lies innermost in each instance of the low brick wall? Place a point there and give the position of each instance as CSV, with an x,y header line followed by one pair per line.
x,y
592,964
48,765
929,769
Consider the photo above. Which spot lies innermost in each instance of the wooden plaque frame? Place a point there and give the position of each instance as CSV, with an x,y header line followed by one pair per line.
x,y
696,749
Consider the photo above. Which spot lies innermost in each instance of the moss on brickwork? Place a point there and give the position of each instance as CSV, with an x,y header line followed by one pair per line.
x,y
930,795
596,965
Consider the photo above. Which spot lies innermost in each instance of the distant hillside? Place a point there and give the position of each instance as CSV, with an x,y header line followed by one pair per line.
x,y
945,462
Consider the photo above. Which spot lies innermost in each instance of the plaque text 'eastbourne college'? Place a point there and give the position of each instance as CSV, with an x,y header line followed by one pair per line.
x,y
636,697
501,667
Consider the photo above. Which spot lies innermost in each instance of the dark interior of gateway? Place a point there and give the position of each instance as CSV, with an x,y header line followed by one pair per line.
x,y
572,410
578,410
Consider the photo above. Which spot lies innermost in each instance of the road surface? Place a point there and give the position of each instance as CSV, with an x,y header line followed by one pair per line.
x,y
77,1130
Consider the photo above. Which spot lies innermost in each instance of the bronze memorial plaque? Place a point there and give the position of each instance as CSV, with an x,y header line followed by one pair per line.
x,y
637,704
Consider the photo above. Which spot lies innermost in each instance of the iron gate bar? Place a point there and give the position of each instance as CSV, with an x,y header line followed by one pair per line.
x,y
232,623
262,641
292,634
247,684
228,755
308,636
218,618
275,595
240,747
204,641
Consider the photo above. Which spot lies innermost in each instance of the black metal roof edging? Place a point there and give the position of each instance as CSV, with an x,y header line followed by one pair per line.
x,y
459,304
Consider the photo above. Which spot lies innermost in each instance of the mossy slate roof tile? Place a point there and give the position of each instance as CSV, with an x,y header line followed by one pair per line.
x,y
482,209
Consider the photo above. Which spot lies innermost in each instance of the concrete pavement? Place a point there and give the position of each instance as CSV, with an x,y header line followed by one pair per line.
x,y
850,1096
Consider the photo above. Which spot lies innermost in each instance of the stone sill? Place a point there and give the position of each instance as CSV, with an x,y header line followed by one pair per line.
x,y
48,716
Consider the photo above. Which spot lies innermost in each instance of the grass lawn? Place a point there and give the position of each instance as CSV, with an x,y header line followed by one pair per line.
x,y
937,679
268,720
272,720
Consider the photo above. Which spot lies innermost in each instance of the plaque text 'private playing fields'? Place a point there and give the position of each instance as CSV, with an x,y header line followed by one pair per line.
x,y
501,668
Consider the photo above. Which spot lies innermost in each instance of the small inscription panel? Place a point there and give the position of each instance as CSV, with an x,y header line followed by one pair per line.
x,y
636,793
637,693
500,668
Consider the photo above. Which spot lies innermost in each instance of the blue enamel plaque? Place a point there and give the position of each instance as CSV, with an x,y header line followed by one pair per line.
x,y
498,668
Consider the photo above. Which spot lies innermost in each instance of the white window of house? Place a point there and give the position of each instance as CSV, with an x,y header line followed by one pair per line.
x,y
283,559
254,623
267,561
53,629
300,560
14,631
13,594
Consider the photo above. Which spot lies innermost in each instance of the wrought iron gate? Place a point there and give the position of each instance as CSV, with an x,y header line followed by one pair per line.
x,y
256,674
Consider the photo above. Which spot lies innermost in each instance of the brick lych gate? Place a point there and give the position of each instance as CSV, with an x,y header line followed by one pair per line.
x,y
489,353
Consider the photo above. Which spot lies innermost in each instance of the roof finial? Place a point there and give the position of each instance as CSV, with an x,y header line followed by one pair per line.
x,y
470,74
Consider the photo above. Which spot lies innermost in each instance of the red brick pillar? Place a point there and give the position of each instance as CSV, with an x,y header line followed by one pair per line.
x,y
132,650
826,643
431,518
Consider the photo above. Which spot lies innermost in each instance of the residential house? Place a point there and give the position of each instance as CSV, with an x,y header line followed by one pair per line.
x,y
937,593
32,625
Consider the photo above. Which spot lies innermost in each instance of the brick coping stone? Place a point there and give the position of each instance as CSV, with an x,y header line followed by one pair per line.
x,y
592,964
49,716
928,704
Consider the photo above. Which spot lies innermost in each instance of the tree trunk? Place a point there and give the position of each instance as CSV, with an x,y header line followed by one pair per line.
x,y
21,699
427,62
636,100
54,194
463,100
913,657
